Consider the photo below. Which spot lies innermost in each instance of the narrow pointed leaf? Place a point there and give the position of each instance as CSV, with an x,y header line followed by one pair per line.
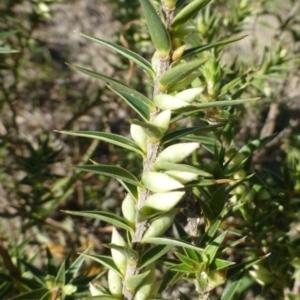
x,y
189,11
172,242
177,134
7,50
254,145
111,171
115,139
102,297
51,266
34,270
202,48
47,296
153,254
60,277
219,264
178,276
114,83
139,106
32,295
239,269
211,250
134,281
166,166
6,34
130,188
179,72
182,268
230,290
103,216
73,270
103,260
225,103
217,200
137,59
158,32
187,260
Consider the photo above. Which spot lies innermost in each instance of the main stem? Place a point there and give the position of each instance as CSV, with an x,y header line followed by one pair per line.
x,y
152,153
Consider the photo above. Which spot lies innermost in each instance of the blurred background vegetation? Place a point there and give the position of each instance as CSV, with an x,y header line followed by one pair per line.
x,y
40,94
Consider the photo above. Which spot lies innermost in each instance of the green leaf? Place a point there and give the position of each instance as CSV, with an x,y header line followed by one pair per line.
x,y
130,188
139,106
135,280
34,270
184,297
103,260
104,216
6,34
207,211
217,200
189,11
202,48
225,103
112,138
153,254
60,277
187,260
218,264
182,268
180,230
4,50
209,235
72,271
179,72
230,290
254,145
180,133
208,182
166,166
102,297
239,269
129,253
117,85
158,32
32,295
51,266
211,250
142,62
178,276
153,132
111,171
171,242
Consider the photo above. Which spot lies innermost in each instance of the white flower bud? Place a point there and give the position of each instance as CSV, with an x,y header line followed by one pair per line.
x,y
118,258
190,95
139,136
181,176
129,210
161,202
177,153
164,101
160,183
163,120
94,291
159,225
115,284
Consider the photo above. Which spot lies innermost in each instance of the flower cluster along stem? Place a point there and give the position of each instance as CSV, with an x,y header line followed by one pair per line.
x,y
152,153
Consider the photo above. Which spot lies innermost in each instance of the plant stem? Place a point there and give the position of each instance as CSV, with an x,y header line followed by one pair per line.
x,y
152,153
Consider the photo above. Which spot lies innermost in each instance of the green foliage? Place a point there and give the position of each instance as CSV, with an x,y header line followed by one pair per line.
x,y
199,205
